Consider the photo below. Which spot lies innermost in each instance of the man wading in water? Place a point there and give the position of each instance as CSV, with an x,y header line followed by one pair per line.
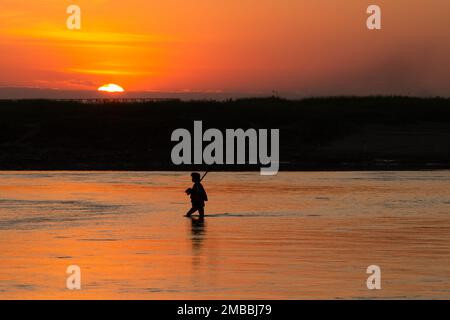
x,y
198,196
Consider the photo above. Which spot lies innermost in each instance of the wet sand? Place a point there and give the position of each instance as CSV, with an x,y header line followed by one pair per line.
x,y
293,236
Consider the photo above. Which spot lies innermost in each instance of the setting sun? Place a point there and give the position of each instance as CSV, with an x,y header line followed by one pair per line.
x,y
110,87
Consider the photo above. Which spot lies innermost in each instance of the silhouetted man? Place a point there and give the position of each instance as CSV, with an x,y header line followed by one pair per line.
x,y
198,196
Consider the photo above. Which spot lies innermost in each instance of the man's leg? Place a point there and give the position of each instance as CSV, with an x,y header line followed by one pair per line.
x,y
201,211
191,211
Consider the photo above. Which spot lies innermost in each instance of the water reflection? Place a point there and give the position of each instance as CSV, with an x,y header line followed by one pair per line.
x,y
198,231
314,238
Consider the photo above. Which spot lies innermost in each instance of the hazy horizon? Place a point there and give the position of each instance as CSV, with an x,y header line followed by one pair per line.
x,y
25,93
12,93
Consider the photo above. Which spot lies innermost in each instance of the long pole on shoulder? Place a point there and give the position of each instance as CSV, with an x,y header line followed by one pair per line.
x,y
204,175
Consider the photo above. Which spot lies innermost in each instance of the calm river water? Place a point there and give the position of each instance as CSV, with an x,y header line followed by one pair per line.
x,y
292,236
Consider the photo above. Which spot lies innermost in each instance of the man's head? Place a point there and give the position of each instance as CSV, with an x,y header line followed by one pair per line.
x,y
195,177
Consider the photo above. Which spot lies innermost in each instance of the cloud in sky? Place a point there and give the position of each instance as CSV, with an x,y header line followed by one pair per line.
x,y
297,47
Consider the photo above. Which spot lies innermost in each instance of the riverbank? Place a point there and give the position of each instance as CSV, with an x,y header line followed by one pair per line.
x,y
341,133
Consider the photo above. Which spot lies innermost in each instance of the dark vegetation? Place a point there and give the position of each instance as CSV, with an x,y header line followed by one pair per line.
x,y
348,133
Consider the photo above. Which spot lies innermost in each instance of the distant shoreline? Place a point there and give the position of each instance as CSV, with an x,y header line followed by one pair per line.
x,y
316,134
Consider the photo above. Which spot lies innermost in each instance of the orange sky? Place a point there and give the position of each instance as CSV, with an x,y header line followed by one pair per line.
x,y
299,47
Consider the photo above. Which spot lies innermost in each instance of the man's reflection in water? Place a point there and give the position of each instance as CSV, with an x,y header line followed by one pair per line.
x,y
198,230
